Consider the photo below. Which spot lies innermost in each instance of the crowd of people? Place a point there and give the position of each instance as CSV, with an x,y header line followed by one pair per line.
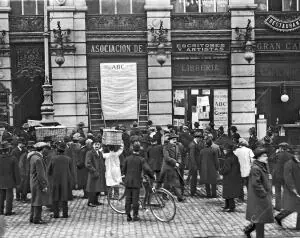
x,y
50,170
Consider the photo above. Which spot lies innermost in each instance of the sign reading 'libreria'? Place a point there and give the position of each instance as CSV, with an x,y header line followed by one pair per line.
x,y
283,26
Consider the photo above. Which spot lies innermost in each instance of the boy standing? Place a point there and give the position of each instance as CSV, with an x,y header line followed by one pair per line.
x,y
133,168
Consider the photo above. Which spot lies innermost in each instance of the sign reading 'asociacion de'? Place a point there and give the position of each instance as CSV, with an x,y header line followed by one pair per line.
x,y
282,26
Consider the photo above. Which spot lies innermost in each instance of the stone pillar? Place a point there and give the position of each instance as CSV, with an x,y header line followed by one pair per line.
x,y
70,80
159,77
5,64
242,72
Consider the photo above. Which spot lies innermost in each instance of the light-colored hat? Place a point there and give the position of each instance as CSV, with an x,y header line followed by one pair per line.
x,y
243,142
41,145
76,136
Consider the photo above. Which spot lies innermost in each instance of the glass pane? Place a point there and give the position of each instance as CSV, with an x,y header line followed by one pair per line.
x,y
108,6
192,6
16,7
275,5
123,6
289,5
93,6
208,5
138,6
178,6
29,7
261,5
222,5
40,7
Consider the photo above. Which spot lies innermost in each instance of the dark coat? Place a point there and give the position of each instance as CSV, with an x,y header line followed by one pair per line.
x,y
252,142
134,165
292,181
231,177
60,172
169,175
82,172
38,180
185,138
16,152
209,165
195,149
96,172
24,168
259,202
9,171
154,156
278,162
72,151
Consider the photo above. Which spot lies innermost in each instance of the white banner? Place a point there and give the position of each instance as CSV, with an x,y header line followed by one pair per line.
x,y
119,91
221,108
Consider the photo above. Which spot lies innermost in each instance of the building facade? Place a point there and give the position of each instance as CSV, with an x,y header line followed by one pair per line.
x,y
111,66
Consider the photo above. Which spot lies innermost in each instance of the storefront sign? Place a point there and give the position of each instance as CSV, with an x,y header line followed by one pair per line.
x,y
275,46
116,48
282,26
200,67
200,47
221,108
277,71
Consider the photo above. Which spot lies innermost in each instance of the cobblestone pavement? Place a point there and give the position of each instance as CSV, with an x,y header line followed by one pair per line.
x,y
197,217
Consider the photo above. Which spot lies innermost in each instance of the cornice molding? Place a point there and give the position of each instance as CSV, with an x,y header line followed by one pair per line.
x,y
240,7
158,8
5,9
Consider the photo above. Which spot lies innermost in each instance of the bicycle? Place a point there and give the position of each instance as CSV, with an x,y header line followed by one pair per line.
x,y
160,201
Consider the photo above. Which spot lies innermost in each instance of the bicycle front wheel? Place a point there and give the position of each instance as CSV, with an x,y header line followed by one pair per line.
x,y
116,198
162,205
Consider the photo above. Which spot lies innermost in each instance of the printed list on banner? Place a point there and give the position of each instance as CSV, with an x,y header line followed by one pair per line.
x,y
221,108
119,91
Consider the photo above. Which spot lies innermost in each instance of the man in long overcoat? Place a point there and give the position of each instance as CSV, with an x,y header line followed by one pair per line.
x,y
96,183
170,168
194,164
259,203
209,165
60,172
9,178
82,172
231,178
38,183
291,192
154,156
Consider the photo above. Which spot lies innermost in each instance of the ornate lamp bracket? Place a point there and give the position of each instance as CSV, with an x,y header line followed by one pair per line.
x,y
4,47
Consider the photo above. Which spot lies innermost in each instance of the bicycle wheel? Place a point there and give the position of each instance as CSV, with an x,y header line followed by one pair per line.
x,y
116,198
162,205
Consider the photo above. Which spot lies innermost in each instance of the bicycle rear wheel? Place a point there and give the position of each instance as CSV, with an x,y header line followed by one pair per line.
x,y
116,198
162,205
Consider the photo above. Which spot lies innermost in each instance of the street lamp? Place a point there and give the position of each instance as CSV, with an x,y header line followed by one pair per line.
x,y
247,44
284,96
159,37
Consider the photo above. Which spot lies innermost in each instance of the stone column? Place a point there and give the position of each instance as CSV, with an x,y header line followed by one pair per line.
x,y
159,77
242,72
70,80
5,64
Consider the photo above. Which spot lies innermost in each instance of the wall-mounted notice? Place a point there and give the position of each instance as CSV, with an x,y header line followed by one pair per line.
x,y
221,108
119,91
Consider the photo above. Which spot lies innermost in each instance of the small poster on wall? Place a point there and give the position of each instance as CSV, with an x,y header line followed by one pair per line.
x,y
221,108
178,103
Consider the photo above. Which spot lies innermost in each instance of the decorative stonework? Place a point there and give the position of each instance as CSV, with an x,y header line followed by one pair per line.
x,y
132,22
260,18
200,21
26,23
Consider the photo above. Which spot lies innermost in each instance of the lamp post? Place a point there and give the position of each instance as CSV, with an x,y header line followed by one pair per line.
x,y
159,37
284,96
247,44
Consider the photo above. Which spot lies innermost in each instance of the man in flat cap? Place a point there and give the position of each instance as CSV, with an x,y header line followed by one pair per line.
x,y
38,183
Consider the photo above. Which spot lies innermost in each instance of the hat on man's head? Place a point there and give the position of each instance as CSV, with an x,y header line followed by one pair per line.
x,y
76,137
80,124
81,141
41,145
25,126
196,124
221,129
30,144
185,127
197,134
243,142
172,136
259,151
61,146
233,128
267,139
158,128
67,139
283,145
134,124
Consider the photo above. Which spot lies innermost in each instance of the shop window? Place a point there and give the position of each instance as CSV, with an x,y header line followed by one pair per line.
x,y
110,7
187,6
27,7
277,5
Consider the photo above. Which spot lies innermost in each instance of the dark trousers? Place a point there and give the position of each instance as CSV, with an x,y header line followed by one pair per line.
x,y
230,203
284,213
92,198
193,181
258,227
244,182
36,213
211,190
6,195
132,198
18,192
278,195
64,205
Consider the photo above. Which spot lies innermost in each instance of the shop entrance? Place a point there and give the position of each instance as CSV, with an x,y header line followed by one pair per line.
x,y
201,105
